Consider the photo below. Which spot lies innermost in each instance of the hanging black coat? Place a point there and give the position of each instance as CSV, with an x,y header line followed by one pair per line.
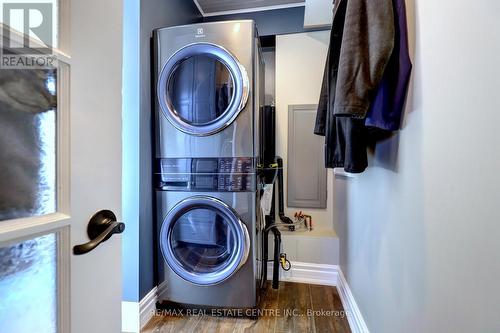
x,y
361,43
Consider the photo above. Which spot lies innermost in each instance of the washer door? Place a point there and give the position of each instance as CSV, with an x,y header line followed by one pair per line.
x,y
202,88
203,240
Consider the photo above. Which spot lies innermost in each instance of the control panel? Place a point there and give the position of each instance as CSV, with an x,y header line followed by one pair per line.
x,y
225,174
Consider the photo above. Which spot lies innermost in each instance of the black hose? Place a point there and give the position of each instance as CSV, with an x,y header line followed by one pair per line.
x,y
270,225
277,247
281,200
265,250
276,263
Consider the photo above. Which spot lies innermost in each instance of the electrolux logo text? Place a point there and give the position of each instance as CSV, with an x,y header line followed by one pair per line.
x,y
27,35
200,33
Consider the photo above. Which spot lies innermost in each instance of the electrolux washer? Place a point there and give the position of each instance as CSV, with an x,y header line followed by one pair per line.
x,y
209,232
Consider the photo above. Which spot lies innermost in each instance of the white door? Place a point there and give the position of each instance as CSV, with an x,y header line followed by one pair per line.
x,y
60,162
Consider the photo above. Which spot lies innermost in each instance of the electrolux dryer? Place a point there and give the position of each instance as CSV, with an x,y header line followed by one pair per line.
x,y
208,86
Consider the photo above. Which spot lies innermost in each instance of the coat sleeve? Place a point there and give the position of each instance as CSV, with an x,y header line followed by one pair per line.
x,y
367,45
319,127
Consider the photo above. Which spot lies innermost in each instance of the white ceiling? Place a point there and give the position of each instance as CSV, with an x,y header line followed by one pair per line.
x,y
221,7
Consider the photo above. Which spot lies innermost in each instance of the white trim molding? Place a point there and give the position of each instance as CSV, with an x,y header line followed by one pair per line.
x,y
135,315
147,306
199,8
130,317
354,316
304,272
247,10
327,275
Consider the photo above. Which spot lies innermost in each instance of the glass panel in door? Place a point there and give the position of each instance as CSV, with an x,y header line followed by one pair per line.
x,y
29,259
28,286
28,103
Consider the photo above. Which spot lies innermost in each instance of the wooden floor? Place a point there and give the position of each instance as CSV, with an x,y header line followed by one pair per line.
x,y
295,307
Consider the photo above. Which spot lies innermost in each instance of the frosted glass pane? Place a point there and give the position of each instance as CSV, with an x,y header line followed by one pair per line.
x,y
28,104
28,286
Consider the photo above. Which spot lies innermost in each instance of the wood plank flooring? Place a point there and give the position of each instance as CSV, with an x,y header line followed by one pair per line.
x,y
294,307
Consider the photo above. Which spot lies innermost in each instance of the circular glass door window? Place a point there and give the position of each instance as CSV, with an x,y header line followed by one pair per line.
x,y
202,88
203,240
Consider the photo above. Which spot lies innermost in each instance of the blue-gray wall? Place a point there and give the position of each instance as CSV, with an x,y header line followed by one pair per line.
x,y
420,229
154,14
130,156
141,17
271,22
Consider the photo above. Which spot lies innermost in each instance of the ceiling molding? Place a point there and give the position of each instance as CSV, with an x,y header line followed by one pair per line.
x,y
199,7
247,10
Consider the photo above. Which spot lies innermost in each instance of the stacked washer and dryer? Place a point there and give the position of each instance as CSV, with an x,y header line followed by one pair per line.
x,y
209,88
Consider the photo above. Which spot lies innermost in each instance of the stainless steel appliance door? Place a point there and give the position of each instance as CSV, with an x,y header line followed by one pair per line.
x,y
203,240
202,88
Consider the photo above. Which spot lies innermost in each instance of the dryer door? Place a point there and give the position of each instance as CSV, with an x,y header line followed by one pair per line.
x,y
203,240
202,88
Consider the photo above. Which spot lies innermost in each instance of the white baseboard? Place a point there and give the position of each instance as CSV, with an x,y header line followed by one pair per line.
x,y
130,317
304,272
135,315
328,275
354,316
147,306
